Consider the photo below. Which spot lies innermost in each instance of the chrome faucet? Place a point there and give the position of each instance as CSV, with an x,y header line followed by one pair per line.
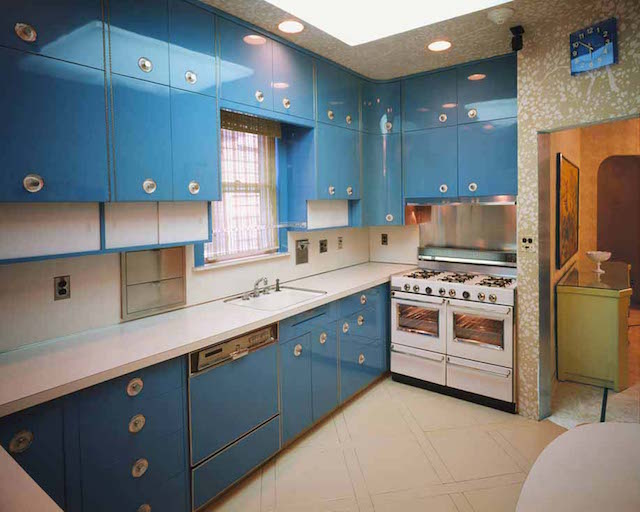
x,y
256,286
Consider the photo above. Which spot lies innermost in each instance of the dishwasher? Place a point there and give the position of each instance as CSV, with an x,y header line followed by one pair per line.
x,y
233,410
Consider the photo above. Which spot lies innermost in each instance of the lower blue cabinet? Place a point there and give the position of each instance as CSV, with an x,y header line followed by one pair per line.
x,y
215,475
361,362
324,370
296,392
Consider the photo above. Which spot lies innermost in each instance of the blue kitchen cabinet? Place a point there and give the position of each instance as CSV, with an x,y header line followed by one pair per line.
x,y
429,101
324,369
361,362
53,135
488,158
382,179
34,438
430,163
195,140
192,48
292,82
338,96
246,65
142,139
381,108
338,162
139,39
487,90
296,390
69,30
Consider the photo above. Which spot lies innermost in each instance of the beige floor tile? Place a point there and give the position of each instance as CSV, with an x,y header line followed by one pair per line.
x,y
391,465
244,497
340,505
375,416
324,434
497,499
357,479
530,440
462,504
400,502
268,495
471,454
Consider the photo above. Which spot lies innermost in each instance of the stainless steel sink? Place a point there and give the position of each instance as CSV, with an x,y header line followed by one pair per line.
x,y
273,301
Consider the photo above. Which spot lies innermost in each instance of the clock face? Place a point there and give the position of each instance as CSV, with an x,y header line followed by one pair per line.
x,y
594,47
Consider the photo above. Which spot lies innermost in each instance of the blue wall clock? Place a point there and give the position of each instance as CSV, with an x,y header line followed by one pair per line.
x,y
594,47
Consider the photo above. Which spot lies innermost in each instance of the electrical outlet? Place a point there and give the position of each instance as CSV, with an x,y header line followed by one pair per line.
x,y
339,242
61,287
384,239
323,245
527,244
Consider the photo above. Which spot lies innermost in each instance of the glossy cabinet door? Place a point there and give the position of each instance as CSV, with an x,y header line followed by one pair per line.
x,y
382,179
429,101
139,39
292,82
488,158
360,364
381,108
430,163
192,48
53,135
295,378
487,90
246,59
34,438
69,30
194,137
142,128
338,96
338,162
324,369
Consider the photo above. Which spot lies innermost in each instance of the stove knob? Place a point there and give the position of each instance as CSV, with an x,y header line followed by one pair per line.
x,y
407,287
481,296
493,298
416,288
428,290
452,293
442,291
466,295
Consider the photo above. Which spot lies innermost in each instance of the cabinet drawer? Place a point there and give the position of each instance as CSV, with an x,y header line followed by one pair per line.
x,y
324,370
304,322
366,299
420,364
480,378
366,323
360,364
218,473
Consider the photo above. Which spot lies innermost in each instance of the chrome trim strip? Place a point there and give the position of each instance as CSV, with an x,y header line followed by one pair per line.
x,y
393,349
451,259
477,343
482,370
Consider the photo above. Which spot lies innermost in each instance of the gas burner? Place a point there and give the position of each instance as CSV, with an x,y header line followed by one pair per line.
x,y
457,277
496,282
423,274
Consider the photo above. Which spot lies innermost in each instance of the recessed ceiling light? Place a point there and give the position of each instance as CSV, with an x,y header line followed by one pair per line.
x,y
291,27
476,76
363,21
254,39
280,85
450,105
439,46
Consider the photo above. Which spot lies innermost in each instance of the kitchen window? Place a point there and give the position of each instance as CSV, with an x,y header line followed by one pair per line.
x,y
245,221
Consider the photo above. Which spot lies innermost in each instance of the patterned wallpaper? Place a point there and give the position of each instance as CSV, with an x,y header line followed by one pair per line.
x,y
550,98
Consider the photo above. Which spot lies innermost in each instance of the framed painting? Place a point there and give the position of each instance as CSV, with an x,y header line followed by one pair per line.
x,y
567,210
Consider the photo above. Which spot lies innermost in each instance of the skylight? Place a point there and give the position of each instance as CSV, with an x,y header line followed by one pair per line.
x,y
362,21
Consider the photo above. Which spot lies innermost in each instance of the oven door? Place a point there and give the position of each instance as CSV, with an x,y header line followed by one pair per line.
x,y
418,323
480,332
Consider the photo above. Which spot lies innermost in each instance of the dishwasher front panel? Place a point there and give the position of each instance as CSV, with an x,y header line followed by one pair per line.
x,y
228,401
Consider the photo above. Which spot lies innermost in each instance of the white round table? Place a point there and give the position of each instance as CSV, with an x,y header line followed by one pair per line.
x,y
589,468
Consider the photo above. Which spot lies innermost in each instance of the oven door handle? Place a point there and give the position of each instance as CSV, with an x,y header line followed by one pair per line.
x,y
476,310
482,370
422,303
430,358
477,343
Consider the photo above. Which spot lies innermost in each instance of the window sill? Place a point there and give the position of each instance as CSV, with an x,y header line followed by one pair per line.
x,y
242,261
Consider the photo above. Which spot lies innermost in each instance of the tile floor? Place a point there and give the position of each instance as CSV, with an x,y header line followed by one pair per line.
x,y
399,448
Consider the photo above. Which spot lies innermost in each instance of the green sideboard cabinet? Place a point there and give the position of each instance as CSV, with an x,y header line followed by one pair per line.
x,y
592,312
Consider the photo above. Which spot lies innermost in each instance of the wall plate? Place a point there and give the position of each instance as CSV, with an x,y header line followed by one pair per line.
x,y
339,242
323,245
61,287
384,239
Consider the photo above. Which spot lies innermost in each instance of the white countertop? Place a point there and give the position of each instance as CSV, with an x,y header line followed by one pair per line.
x,y
43,372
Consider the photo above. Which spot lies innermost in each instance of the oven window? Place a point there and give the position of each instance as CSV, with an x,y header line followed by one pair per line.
x,y
477,329
418,319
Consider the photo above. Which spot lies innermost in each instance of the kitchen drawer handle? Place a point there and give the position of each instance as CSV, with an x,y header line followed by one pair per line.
x,y
323,338
136,424
442,118
473,187
239,354
135,386
360,320
348,119
149,186
473,113
259,96
26,32
144,508
191,77
332,190
21,442
139,468
33,183
297,350
145,64
345,327
429,358
194,188
444,188
389,217
361,359
482,370
286,103
363,299
330,114
349,191
477,344
388,125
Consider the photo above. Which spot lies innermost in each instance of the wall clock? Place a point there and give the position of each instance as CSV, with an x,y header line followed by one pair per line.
x,y
594,47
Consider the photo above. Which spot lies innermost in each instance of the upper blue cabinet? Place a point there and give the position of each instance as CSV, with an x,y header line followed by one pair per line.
x,y
487,90
68,30
139,39
381,108
338,96
338,164
292,82
192,48
382,179
246,66
429,101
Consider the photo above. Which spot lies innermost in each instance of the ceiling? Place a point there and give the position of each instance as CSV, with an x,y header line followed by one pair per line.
x,y
473,36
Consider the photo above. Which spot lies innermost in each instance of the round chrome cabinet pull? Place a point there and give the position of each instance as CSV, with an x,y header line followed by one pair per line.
x,y
345,327
33,183
144,508
473,113
389,217
145,64
332,190
135,386
444,188
297,350
492,298
136,424
139,468
149,186
20,442
452,293
363,299
286,103
349,191
191,77
442,118
348,119
26,32
388,126
330,114
259,96
481,297
194,188
323,338
360,320
473,187
361,359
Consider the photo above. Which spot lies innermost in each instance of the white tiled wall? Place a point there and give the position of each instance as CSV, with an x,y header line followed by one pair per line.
x,y
402,244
